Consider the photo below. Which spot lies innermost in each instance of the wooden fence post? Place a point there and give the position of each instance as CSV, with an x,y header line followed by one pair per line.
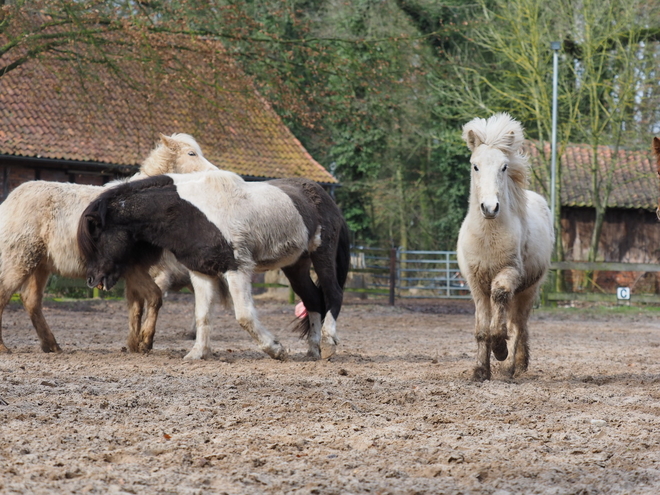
x,y
392,274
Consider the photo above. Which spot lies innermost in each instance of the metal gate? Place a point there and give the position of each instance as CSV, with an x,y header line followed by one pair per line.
x,y
410,274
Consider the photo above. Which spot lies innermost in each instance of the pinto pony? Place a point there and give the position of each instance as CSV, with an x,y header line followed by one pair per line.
x,y
38,232
504,244
216,225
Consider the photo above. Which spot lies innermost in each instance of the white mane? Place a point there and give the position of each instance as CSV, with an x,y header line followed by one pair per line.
x,y
500,131
504,133
171,155
187,139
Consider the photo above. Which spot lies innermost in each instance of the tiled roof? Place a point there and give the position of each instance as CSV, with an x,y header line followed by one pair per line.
x,y
50,108
634,180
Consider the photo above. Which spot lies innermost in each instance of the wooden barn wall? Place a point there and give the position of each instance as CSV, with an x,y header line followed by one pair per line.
x,y
629,236
12,176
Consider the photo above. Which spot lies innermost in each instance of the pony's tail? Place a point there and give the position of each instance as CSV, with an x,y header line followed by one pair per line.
x,y
343,259
302,327
342,265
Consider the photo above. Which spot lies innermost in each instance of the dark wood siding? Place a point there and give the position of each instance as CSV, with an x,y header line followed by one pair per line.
x,y
628,235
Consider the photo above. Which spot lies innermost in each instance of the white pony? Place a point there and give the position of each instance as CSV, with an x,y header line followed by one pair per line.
x,y
504,245
38,227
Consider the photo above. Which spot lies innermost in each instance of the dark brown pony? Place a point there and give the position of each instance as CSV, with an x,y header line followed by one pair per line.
x,y
218,225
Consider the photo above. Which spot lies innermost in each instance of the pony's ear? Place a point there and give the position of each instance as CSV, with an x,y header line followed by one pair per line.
x,y
656,146
170,143
472,140
93,224
509,139
473,133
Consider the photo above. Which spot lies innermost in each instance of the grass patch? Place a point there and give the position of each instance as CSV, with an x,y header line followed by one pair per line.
x,y
598,311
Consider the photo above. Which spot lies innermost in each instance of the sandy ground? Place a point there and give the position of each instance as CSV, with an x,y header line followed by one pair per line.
x,y
393,412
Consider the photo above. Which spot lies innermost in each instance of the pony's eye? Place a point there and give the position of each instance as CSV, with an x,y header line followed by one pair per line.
x,y
476,169
192,153
506,165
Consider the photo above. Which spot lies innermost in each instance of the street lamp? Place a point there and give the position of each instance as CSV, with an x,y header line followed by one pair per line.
x,y
555,46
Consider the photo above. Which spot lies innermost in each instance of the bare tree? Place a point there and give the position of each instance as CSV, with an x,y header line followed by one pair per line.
x,y
604,77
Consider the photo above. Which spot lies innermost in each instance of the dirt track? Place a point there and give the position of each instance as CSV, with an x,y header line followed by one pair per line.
x,y
392,412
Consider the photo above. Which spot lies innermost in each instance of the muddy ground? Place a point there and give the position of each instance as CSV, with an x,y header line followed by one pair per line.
x,y
393,412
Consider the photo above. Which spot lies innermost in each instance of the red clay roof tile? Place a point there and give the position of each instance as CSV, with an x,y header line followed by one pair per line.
x,y
51,109
634,180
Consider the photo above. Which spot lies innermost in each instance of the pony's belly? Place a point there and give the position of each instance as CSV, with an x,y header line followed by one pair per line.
x,y
71,268
273,264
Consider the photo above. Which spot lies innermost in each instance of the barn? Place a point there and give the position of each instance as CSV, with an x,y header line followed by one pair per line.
x,y
88,123
631,230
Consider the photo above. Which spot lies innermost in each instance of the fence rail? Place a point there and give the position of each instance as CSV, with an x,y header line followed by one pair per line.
x,y
435,274
404,274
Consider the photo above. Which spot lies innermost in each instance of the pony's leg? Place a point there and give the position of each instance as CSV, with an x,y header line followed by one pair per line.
x,y
502,289
315,320
148,295
5,296
333,295
517,343
312,298
11,278
206,293
135,303
240,288
481,371
191,334
32,294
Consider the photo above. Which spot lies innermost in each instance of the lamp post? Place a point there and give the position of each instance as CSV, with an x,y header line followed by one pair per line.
x,y
555,46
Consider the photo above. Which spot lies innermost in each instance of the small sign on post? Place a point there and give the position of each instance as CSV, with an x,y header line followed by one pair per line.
x,y
623,294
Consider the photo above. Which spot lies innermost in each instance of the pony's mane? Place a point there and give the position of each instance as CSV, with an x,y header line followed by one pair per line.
x,y
156,162
504,133
98,208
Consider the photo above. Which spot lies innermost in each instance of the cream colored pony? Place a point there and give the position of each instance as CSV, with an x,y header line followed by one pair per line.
x,y
504,245
38,228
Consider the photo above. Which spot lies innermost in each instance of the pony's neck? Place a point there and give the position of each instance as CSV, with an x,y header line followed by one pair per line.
x,y
157,163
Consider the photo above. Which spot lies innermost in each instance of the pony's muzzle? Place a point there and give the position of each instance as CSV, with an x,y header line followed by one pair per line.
x,y
96,284
490,212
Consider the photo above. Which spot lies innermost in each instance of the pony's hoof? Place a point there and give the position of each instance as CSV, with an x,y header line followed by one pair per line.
x,y
145,348
327,351
277,351
196,354
480,374
500,350
508,372
314,354
4,349
51,348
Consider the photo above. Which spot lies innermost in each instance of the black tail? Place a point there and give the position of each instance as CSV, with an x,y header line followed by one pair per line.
x,y
342,265
343,255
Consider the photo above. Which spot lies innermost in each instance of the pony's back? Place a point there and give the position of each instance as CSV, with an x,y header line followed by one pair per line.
x,y
40,218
